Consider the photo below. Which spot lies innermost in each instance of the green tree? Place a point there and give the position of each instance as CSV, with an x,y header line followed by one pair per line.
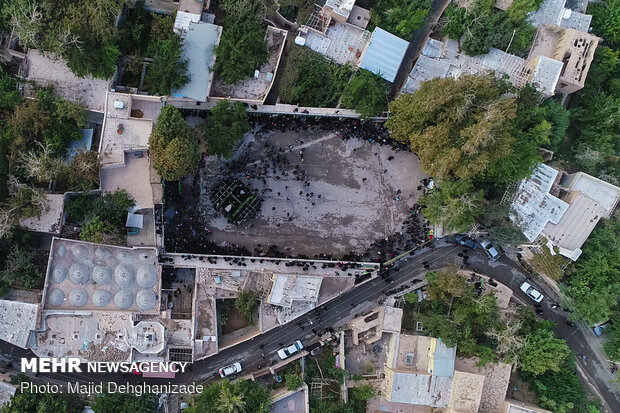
x,y
308,79
233,397
592,284
446,284
28,402
366,93
612,337
168,70
124,403
242,47
174,148
246,303
96,230
606,20
21,270
453,204
400,17
225,127
293,381
457,127
542,351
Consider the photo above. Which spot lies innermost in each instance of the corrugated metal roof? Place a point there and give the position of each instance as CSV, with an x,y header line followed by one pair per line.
x,y
384,54
198,47
547,74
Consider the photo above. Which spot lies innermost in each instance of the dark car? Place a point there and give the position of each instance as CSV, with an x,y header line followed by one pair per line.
x,y
466,241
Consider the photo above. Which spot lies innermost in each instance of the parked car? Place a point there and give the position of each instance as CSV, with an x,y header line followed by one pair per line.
x,y
490,250
531,292
286,352
230,370
466,241
599,329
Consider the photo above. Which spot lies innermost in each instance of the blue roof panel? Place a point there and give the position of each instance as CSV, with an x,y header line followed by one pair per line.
x,y
384,54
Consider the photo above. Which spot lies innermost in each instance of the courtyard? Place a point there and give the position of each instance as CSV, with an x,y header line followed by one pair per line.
x,y
317,189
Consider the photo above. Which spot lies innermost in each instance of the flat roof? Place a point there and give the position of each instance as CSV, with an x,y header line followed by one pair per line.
x,y
292,402
606,194
577,223
533,206
547,74
384,54
424,389
6,391
81,145
198,49
466,392
17,320
86,276
46,70
289,288
50,220
442,360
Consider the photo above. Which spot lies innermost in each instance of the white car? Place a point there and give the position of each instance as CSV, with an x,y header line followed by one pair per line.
x,y
230,370
490,250
532,292
286,352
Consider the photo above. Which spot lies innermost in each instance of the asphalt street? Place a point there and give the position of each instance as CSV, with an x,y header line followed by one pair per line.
x,y
258,353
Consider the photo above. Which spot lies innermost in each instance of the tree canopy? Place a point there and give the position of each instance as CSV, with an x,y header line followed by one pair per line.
x,y
81,32
308,79
400,17
124,403
366,93
242,47
543,351
233,397
226,126
456,126
174,148
453,204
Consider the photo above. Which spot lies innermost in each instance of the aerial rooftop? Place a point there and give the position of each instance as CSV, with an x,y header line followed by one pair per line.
x,y
18,321
384,54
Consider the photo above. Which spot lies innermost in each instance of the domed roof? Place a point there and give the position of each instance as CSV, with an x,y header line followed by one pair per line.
x,y
79,251
78,297
56,297
79,274
146,276
61,250
101,298
124,275
123,299
125,257
103,253
102,275
59,273
146,256
146,299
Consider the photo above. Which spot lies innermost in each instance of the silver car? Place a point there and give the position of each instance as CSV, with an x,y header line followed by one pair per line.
x,y
532,292
490,250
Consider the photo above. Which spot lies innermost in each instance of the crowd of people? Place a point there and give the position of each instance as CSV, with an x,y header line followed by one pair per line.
x,y
185,232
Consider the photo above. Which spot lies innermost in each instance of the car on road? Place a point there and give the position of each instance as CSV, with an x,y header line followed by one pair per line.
x,y
230,370
490,250
466,241
286,352
531,292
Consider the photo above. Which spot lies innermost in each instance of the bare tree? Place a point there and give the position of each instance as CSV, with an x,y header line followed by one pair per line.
x,y
26,17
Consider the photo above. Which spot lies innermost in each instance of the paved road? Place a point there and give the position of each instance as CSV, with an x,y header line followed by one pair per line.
x,y
250,353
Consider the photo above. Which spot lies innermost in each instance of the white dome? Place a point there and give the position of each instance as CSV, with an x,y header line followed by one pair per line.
x,y
123,299
102,275
124,275
79,274
125,257
146,256
59,273
79,251
101,298
78,297
56,297
103,253
61,250
146,299
146,276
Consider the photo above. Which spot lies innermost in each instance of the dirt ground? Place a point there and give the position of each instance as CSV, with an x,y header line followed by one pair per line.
x,y
361,359
321,194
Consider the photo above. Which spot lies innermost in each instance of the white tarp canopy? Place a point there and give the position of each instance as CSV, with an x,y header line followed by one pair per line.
x,y
134,220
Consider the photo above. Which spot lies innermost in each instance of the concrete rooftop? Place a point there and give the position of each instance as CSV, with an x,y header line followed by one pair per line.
x,y
17,321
